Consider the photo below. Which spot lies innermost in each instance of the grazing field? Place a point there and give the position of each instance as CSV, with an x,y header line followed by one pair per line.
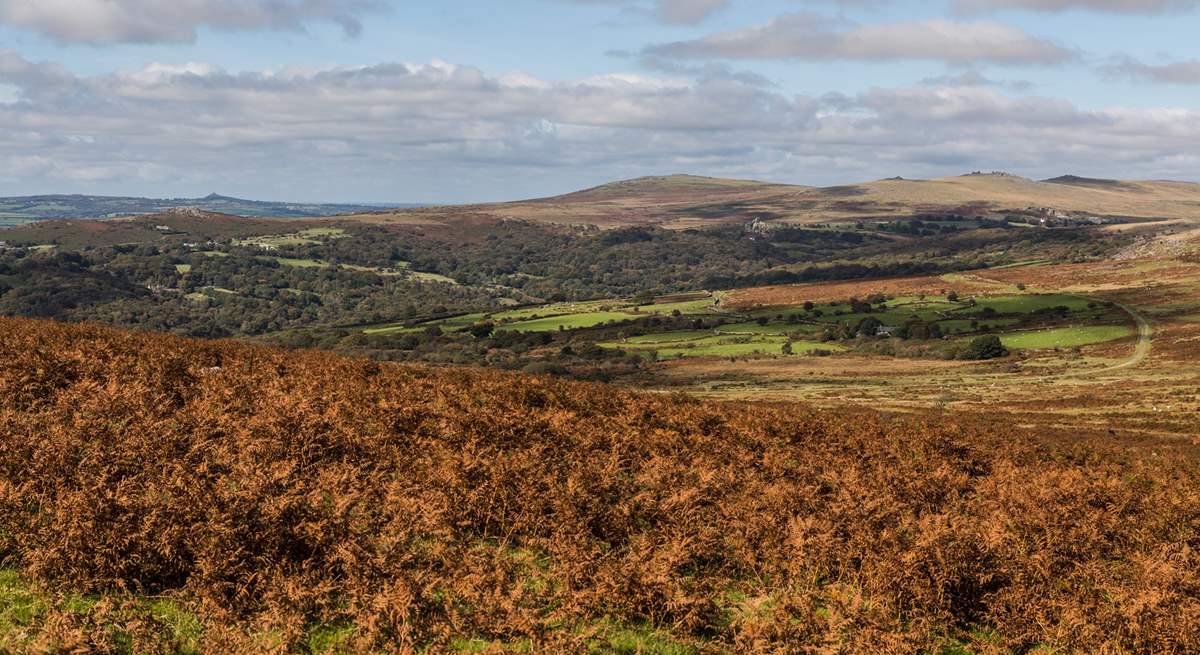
x,y
300,238
568,321
1067,337
165,495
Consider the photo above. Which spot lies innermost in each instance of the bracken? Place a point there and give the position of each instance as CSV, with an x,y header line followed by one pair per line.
x,y
419,508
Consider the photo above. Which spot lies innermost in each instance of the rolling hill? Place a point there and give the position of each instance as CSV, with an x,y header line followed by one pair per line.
x,y
46,207
682,201
685,201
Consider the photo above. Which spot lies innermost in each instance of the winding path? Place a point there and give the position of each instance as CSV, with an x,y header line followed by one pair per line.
x,y
1145,338
1145,328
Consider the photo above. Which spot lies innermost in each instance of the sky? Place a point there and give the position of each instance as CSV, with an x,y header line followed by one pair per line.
x,y
462,101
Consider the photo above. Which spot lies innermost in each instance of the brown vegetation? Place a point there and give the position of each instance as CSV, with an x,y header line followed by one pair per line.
x,y
273,491
796,294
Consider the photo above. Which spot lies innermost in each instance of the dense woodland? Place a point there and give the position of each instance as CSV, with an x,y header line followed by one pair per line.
x,y
317,292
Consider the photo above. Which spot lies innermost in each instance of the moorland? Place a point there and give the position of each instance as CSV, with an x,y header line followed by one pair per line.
x,y
944,416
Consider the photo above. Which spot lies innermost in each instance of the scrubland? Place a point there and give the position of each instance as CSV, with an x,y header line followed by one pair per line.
x,y
159,494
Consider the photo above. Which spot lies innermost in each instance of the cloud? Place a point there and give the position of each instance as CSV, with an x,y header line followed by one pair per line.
x,y
812,37
688,12
438,131
975,78
1110,6
101,22
669,12
1179,72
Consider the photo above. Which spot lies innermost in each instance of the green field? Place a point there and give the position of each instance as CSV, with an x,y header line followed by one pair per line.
x,y
673,345
568,321
301,238
1031,303
299,263
1067,337
774,328
449,325
183,269
687,307
669,337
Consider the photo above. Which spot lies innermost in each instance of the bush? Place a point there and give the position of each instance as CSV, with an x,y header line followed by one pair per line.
x,y
986,347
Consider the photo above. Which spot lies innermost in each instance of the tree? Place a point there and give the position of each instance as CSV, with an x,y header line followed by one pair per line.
x,y
952,296
481,330
869,327
787,348
808,306
986,347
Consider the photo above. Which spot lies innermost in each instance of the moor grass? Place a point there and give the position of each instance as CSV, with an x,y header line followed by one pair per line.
x,y
304,502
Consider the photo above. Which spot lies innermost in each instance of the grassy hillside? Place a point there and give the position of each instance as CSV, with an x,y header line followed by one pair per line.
x,y
165,495
682,201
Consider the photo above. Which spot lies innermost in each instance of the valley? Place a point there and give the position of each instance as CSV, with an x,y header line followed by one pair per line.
x,y
971,311
397,415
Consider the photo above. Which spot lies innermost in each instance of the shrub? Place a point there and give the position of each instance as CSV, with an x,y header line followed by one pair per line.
x,y
986,347
313,499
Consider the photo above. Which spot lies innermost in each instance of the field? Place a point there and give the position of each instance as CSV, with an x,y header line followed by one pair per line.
x,y
1077,376
300,238
165,495
568,321
1065,337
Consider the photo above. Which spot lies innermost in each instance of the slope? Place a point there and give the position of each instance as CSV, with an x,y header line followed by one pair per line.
x,y
682,201
302,502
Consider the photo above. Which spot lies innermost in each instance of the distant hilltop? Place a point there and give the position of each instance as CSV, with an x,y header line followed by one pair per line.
x,y
48,207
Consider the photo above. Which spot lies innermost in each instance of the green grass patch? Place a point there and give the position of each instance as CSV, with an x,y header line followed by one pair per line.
x,y
964,325
23,611
1066,337
568,322
183,269
185,626
301,238
670,337
775,328
559,309
330,639
20,608
687,308
298,263
1029,303
616,639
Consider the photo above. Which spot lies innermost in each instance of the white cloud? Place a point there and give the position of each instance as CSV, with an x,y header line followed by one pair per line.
x,y
813,37
1111,6
688,11
439,131
1179,72
670,12
173,21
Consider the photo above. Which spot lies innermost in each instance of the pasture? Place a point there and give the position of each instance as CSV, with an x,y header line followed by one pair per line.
x,y
1065,337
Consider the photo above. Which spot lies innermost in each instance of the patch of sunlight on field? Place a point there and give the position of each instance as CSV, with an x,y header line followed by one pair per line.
x,y
1067,337
568,321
